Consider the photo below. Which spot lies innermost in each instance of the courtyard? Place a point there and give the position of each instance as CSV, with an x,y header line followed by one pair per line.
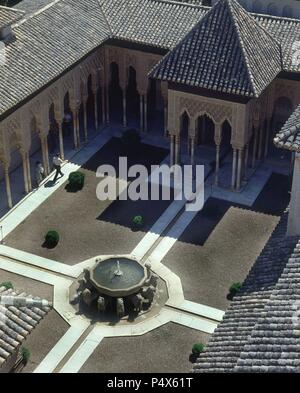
x,y
199,256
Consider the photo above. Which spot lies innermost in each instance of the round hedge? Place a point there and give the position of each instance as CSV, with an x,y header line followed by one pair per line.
x,y
51,239
235,287
138,221
198,348
76,180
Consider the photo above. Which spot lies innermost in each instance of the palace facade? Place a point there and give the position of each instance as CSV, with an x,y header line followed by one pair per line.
x,y
216,77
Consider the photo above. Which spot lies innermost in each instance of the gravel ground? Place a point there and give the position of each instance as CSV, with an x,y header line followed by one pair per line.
x,y
87,226
43,338
207,271
163,350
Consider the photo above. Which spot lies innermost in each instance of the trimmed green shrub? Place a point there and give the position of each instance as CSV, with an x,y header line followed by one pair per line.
x,y
235,287
76,180
51,239
131,140
25,354
138,221
7,285
198,348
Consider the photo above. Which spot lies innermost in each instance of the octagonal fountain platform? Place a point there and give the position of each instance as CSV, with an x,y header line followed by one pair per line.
x,y
118,286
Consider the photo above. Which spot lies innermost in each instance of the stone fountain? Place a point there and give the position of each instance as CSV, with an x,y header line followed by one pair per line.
x,y
120,285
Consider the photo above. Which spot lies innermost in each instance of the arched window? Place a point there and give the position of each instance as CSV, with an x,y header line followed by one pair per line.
x,y
287,11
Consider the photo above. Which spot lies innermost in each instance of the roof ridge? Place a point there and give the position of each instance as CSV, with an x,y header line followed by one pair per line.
x,y
241,44
105,17
41,10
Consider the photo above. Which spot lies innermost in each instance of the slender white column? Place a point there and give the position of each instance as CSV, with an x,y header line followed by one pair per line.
x,y
254,148
7,186
103,105
165,119
293,228
260,142
267,138
61,140
192,150
141,113
96,109
233,175
85,122
145,113
107,104
124,109
25,172
246,161
172,150
177,147
45,154
217,164
28,172
239,172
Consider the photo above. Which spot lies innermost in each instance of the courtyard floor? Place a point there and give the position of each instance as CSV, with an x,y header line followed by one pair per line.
x,y
163,350
86,225
199,255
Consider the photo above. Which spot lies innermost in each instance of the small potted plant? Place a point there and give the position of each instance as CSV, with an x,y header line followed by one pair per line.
x,y
197,349
137,222
76,181
25,355
51,239
233,290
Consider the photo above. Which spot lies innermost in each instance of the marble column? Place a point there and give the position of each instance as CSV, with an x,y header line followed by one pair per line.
x,y
7,186
172,137
124,109
76,128
28,172
85,119
45,154
233,175
218,138
177,149
103,105
61,139
96,108
141,113
260,148
217,164
25,172
239,170
267,138
192,140
107,104
293,228
165,119
246,161
145,113
254,148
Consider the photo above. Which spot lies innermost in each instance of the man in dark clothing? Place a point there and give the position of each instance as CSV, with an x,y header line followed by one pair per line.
x,y
57,162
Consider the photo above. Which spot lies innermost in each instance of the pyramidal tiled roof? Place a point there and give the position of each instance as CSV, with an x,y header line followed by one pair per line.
x,y
227,51
19,315
289,136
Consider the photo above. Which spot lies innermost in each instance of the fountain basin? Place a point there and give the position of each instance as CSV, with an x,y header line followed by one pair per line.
x,y
105,279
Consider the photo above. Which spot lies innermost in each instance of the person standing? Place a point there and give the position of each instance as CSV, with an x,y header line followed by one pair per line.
x,y
57,162
39,172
